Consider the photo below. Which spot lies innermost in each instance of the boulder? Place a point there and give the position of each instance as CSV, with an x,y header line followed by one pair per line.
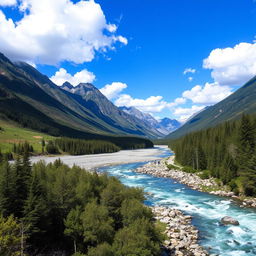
x,y
227,220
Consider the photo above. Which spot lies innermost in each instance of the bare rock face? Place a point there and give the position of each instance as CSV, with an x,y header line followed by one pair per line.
x,y
227,220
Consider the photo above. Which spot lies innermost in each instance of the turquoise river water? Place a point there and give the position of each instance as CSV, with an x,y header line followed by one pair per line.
x,y
206,209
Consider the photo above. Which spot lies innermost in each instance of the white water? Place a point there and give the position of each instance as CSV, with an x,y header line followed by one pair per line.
x,y
207,210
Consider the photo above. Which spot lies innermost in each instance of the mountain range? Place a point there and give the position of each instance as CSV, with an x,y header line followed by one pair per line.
x,y
164,126
232,108
33,100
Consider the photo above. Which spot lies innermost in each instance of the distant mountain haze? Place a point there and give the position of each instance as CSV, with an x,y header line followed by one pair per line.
x,y
164,126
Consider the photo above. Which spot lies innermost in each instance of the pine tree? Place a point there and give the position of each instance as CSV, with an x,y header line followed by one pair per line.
x,y
35,209
7,189
43,145
246,134
22,182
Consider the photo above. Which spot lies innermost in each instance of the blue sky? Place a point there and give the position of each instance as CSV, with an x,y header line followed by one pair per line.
x,y
145,51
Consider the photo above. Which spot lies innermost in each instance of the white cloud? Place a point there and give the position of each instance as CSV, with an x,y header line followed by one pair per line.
x,y
111,91
232,66
190,79
112,28
177,101
122,40
53,31
182,114
153,104
8,2
189,70
62,76
208,94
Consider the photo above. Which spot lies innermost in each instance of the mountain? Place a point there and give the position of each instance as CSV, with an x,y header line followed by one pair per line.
x,y
163,126
33,100
231,108
90,97
170,124
142,116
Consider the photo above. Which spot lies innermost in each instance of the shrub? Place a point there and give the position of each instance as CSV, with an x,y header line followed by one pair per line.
x,y
204,174
188,169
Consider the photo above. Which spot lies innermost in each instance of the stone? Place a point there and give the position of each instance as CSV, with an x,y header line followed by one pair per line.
x,y
227,220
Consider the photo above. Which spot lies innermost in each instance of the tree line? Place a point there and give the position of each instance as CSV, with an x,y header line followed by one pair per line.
x,y
50,209
81,147
227,151
75,146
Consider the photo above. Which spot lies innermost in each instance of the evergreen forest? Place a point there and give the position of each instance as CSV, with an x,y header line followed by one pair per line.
x,y
54,209
226,152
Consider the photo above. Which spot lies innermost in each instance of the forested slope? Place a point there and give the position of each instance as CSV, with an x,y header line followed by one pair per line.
x,y
228,151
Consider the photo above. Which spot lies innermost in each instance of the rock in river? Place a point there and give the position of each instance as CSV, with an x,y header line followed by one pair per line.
x,y
227,220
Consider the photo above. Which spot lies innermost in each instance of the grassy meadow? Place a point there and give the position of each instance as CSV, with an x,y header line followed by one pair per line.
x,y
10,134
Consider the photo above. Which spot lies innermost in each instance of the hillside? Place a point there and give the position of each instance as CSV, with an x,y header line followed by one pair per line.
x,y
231,108
10,133
91,98
33,100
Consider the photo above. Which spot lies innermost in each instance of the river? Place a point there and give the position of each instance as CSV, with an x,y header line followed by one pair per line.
x,y
206,209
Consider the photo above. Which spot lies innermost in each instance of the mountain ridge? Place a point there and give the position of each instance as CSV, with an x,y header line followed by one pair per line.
x,y
164,126
231,108
35,98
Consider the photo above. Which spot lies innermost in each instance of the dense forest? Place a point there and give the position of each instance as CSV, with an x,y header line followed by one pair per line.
x,y
80,147
227,152
50,209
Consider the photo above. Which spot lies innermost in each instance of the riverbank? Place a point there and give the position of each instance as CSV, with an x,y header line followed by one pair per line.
x,y
160,169
206,210
91,162
182,236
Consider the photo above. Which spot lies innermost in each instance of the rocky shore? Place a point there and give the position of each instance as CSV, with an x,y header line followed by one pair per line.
x,y
159,169
181,235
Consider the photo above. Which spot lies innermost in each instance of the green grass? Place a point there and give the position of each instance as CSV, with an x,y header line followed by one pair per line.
x,y
11,133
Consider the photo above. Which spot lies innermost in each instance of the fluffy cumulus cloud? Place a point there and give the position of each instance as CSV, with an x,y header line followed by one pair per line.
x,y
182,114
153,104
208,94
111,91
62,76
232,66
8,2
53,31
189,70
177,101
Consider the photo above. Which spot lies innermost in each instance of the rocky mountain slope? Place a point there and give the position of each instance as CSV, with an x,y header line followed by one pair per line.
x,y
33,100
163,126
